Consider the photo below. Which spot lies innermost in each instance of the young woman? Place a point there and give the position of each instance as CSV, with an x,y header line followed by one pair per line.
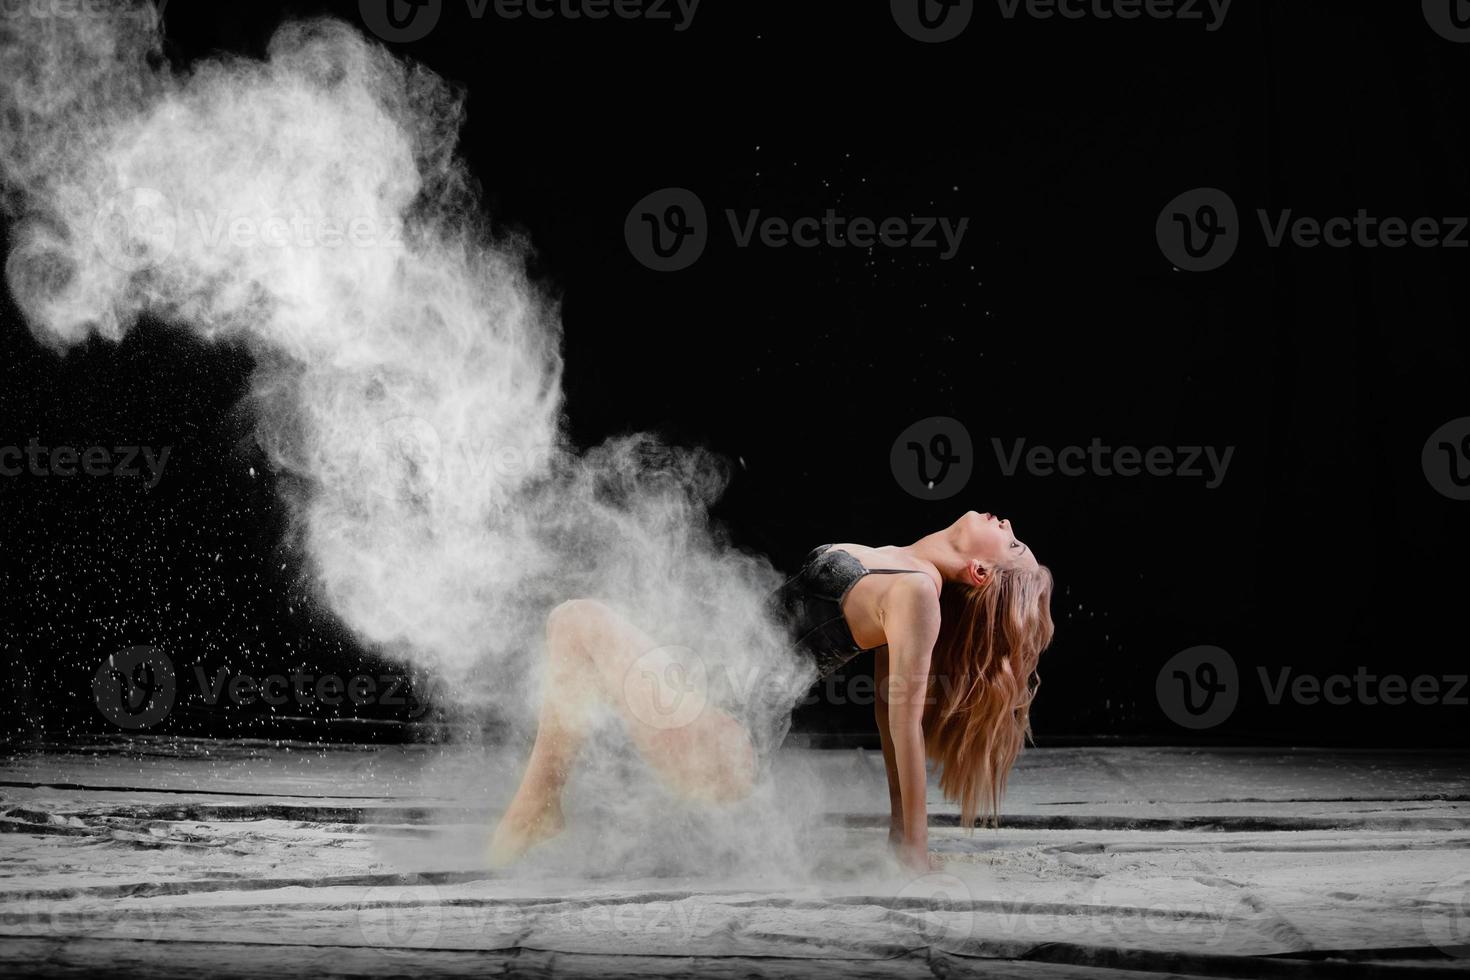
x,y
956,622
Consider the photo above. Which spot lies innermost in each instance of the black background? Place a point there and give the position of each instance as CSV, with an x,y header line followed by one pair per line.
x,y
1326,549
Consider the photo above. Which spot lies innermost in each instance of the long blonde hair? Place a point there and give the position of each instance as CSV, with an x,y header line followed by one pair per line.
x,y
982,679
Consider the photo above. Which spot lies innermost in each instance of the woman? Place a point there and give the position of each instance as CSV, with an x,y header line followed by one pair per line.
x,y
956,621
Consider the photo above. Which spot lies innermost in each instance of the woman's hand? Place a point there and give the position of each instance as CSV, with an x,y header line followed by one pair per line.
x,y
912,852
914,855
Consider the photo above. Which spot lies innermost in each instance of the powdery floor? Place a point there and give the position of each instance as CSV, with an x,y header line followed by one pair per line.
x,y
181,859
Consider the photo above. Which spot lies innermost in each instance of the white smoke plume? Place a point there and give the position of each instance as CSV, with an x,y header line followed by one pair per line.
x,y
312,207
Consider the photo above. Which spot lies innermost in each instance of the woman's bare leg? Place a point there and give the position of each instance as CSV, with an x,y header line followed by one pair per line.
x,y
597,656
534,813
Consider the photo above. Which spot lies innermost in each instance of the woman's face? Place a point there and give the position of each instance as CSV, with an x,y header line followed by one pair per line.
x,y
988,541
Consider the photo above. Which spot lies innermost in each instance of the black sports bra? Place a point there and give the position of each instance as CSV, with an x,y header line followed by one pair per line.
x,y
811,604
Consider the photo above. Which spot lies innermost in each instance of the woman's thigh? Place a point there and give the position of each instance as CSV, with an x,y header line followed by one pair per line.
x,y
662,694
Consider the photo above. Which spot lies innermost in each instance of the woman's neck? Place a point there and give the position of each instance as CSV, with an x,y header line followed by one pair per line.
x,y
938,550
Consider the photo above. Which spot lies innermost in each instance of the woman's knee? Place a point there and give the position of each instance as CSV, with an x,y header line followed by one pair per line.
x,y
574,615
712,759
739,781
735,779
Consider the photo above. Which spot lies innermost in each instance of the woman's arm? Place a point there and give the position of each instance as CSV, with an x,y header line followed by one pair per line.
x,y
910,614
885,737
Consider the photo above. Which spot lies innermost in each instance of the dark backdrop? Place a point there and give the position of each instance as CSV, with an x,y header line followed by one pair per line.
x,y
1326,549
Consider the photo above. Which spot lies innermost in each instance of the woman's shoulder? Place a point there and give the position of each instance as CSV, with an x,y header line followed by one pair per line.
x,y
884,557
924,585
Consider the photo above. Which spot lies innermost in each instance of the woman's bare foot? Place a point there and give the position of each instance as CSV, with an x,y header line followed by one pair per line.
x,y
525,824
